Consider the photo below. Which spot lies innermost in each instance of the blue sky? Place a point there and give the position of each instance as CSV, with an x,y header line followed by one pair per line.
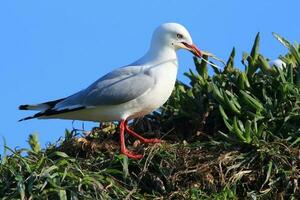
x,y
51,49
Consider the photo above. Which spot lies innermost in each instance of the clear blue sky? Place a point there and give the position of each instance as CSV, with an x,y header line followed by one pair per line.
x,y
51,49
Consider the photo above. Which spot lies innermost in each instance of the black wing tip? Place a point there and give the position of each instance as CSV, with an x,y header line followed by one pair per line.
x,y
26,118
50,104
23,107
50,112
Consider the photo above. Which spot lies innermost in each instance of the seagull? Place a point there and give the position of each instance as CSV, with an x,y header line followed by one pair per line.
x,y
128,92
277,63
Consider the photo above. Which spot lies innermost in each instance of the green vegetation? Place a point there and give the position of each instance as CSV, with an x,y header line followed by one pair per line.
x,y
233,135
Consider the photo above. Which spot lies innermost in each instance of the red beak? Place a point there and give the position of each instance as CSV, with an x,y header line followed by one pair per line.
x,y
192,48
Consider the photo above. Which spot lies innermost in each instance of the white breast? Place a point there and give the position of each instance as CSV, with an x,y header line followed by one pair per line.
x,y
165,77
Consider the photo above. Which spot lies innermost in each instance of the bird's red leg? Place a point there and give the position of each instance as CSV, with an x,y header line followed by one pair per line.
x,y
142,139
124,150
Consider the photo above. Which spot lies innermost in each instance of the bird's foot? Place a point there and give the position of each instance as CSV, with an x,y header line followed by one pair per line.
x,y
132,155
142,139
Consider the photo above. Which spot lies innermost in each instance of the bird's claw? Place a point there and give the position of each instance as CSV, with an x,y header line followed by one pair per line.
x,y
132,155
154,140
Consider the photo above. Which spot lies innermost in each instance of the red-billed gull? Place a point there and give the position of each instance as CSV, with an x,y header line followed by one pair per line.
x,y
128,92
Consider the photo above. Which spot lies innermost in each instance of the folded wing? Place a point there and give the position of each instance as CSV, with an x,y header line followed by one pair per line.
x,y
117,87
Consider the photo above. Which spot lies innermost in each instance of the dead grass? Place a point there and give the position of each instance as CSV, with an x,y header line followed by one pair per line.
x,y
171,170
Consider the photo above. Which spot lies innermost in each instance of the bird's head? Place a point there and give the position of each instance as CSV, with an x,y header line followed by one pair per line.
x,y
175,36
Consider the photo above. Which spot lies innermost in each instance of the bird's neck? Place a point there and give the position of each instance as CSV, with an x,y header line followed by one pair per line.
x,y
157,54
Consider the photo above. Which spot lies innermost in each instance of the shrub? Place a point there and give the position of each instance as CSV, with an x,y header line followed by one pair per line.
x,y
242,131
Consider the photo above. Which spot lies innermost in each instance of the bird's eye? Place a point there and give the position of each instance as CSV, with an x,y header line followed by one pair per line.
x,y
179,36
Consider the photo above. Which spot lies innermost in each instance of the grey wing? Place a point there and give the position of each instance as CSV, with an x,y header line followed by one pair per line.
x,y
119,86
119,90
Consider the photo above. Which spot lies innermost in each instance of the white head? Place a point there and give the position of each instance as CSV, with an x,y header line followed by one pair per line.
x,y
175,36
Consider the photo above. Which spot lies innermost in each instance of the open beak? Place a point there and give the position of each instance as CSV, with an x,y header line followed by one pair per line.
x,y
192,48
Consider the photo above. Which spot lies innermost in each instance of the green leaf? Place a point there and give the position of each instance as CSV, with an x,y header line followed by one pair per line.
x,y
4,154
244,58
248,131
225,117
296,54
264,65
217,93
201,67
252,59
251,101
124,161
231,105
59,154
34,142
49,170
237,131
283,41
230,63
21,187
255,49
63,195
